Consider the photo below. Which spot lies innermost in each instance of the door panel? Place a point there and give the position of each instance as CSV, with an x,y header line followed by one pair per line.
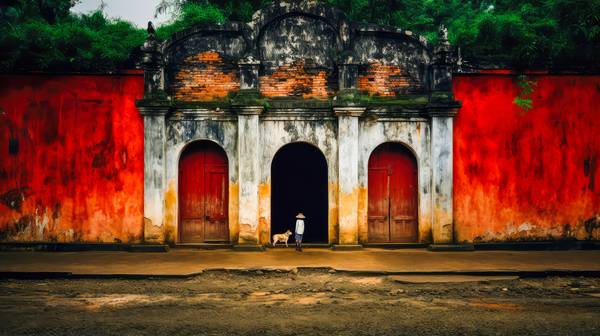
x,y
378,205
398,222
203,194
216,204
403,198
192,230
191,199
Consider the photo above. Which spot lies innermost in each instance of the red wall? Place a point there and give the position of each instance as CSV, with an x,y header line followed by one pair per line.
x,y
526,175
78,168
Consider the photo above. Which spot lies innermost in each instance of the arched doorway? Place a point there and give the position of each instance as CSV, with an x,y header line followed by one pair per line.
x,y
393,195
299,184
203,194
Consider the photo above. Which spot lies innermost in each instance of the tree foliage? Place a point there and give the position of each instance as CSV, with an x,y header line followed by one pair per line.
x,y
521,34
44,35
190,14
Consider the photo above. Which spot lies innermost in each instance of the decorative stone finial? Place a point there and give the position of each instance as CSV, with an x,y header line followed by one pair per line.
x,y
151,31
443,33
151,62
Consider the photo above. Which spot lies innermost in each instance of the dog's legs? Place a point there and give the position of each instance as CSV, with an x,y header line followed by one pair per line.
x,y
286,245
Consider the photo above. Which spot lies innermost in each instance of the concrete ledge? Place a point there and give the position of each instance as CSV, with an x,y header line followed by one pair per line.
x,y
393,246
248,248
552,245
346,247
205,246
148,248
133,276
80,247
451,247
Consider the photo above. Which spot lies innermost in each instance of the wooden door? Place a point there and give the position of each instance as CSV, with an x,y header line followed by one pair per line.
x,y
203,194
393,205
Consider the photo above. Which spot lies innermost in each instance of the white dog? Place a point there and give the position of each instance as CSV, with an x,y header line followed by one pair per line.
x,y
281,237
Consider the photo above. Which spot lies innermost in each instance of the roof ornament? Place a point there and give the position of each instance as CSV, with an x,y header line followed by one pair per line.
x,y
151,31
151,63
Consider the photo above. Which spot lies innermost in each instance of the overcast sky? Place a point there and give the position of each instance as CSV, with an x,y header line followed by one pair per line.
x,y
138,12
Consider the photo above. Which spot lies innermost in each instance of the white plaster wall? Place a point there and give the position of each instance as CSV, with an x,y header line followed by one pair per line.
x,y
274,133
154,175
441,156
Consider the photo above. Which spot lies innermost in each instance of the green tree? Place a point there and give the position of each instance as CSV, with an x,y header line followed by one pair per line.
x,y
188,15
44,35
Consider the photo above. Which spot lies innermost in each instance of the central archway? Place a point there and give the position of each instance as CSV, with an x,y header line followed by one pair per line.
x,y
299,184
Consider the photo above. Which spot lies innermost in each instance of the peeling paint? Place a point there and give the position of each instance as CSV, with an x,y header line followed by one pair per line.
x,y
264,213
348,203
170,228
234,206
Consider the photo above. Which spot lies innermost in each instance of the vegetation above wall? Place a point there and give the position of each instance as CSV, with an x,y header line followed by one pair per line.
x,y
563,34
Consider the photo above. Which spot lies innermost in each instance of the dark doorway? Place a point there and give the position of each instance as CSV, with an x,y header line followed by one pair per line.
x,y
393,195
203,194
299,184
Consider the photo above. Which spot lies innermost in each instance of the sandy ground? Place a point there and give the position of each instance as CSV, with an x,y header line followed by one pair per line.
x,y
301,303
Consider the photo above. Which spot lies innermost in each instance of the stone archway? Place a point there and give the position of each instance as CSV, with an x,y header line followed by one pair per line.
x,y
393,195
203,193
299,184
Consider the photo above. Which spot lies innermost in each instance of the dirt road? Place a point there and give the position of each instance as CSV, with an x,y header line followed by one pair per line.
x,y
300,303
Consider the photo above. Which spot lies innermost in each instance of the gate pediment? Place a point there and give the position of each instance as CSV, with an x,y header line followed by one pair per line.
x,y
299,50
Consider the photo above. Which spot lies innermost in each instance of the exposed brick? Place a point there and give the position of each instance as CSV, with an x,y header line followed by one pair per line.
x,y
293,81
385,80
205,77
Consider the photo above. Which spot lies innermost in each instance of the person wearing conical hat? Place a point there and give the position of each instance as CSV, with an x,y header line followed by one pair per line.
x,y
299,231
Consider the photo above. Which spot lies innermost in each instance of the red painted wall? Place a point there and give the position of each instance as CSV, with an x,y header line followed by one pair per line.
x,y
71,158
527,175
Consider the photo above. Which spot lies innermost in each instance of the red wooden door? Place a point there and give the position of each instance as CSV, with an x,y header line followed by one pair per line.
x,y
393,205
203,194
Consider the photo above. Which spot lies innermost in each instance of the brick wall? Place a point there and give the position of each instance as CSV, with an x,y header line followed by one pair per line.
x,y
294,80
385,80
205,77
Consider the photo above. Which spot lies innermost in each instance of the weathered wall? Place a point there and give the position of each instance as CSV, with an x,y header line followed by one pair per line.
x,y
205,77
384,80
526,175
295,80
71,162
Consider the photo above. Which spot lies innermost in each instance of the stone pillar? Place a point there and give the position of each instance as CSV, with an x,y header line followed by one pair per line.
x,y
154,172
441,161
442,109
348,175
249,176
154,107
